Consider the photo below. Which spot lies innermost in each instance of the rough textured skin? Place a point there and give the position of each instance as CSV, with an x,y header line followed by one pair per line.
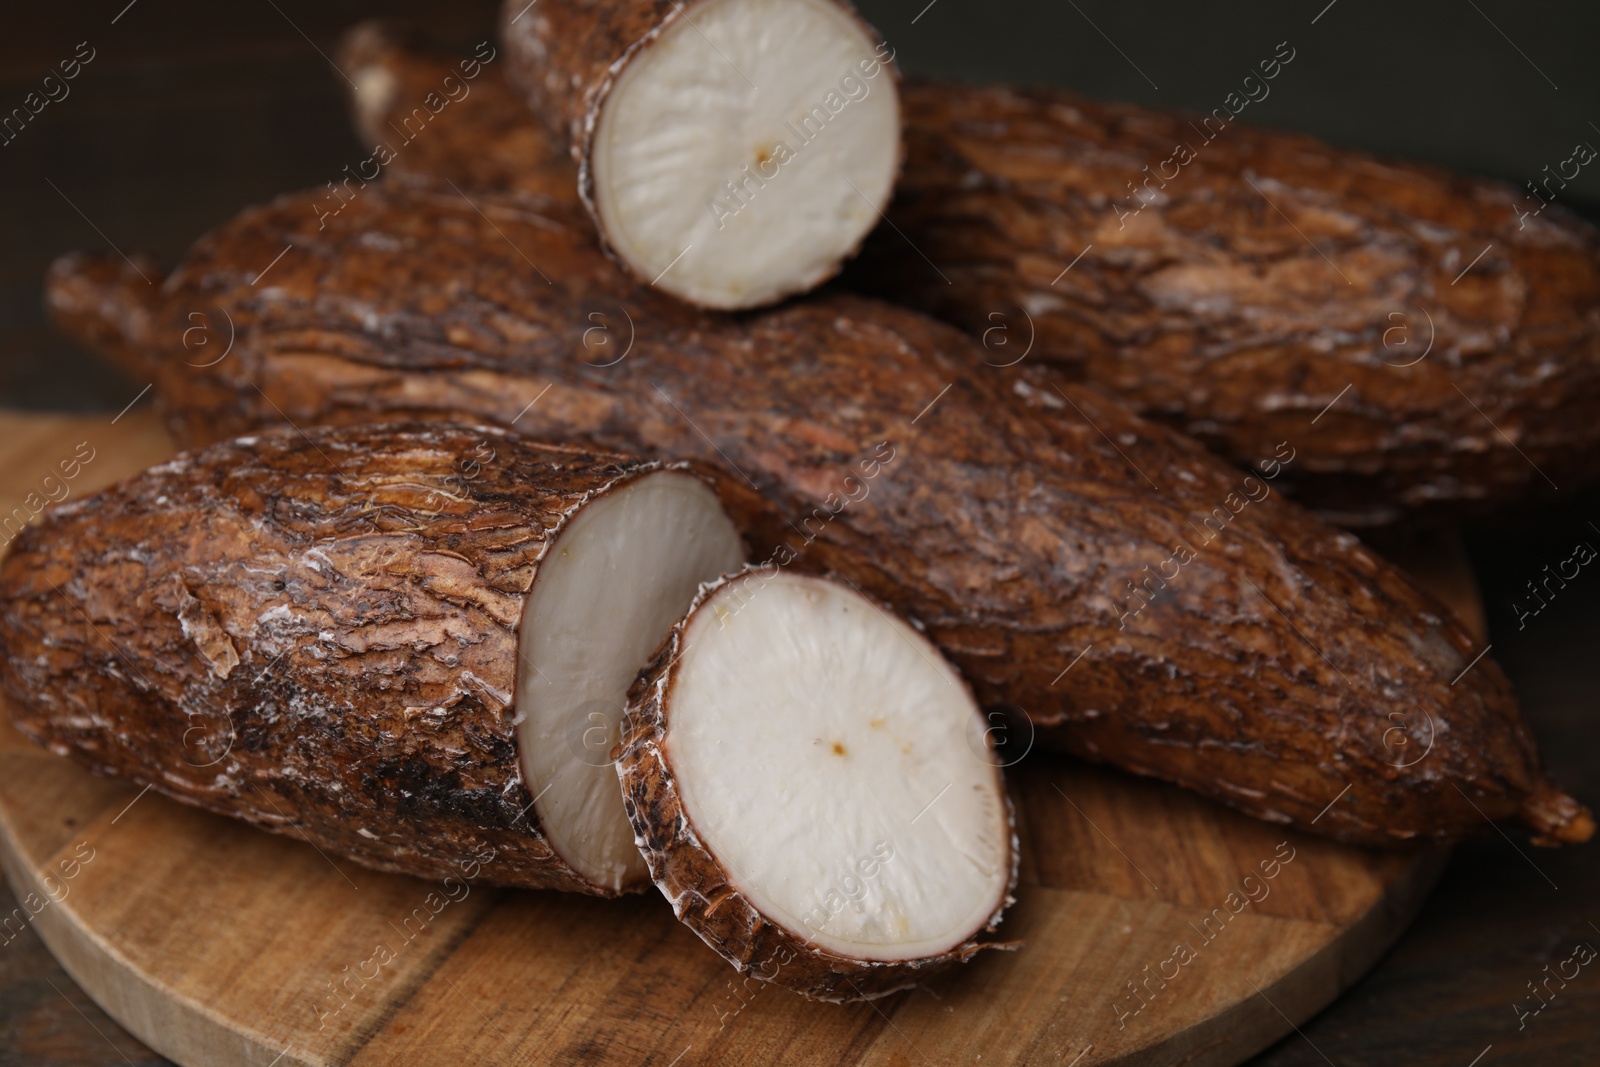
x,y
565,57
1207,309
314,634
490,140
1280,665
488,129
102,300
1216,308
702,892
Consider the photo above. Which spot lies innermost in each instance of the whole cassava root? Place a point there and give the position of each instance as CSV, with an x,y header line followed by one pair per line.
x,y
1142,602
1249,278
319,635
731,152
1205,302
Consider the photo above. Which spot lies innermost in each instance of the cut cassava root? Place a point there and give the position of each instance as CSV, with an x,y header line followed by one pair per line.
x,y
1217,636
1199,304
332,636
799,771
731,152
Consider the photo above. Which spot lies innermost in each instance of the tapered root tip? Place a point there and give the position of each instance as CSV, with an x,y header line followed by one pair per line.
x,y
372,51
1557,818
104,302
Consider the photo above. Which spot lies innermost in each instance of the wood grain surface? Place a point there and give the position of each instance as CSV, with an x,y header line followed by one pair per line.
x,y
216,943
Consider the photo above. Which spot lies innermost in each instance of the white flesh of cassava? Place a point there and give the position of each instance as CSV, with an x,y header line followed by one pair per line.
x,y
822,750
724,87
624,569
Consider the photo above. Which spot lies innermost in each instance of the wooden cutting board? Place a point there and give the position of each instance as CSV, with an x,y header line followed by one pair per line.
x,y
216,943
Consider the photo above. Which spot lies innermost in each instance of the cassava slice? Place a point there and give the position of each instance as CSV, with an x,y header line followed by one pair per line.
x,y
410,647
731,152
1141,601
808,780
1205,307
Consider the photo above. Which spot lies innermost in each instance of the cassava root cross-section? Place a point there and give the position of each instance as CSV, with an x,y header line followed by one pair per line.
x,y
731,152
618,575
1139,600
408,646
808,779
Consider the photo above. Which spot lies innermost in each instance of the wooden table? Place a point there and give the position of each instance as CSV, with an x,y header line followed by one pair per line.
x,y
191,110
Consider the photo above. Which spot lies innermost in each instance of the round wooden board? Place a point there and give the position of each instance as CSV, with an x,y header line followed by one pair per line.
x,y
219,944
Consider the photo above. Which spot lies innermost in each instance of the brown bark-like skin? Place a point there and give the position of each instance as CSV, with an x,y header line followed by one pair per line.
x,y
1267,275
103,301
1282,664
485,129
489,140
314,633
1207,309
703,893
565,57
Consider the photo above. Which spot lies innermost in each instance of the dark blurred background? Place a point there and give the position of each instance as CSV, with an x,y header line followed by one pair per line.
x,y
190,111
